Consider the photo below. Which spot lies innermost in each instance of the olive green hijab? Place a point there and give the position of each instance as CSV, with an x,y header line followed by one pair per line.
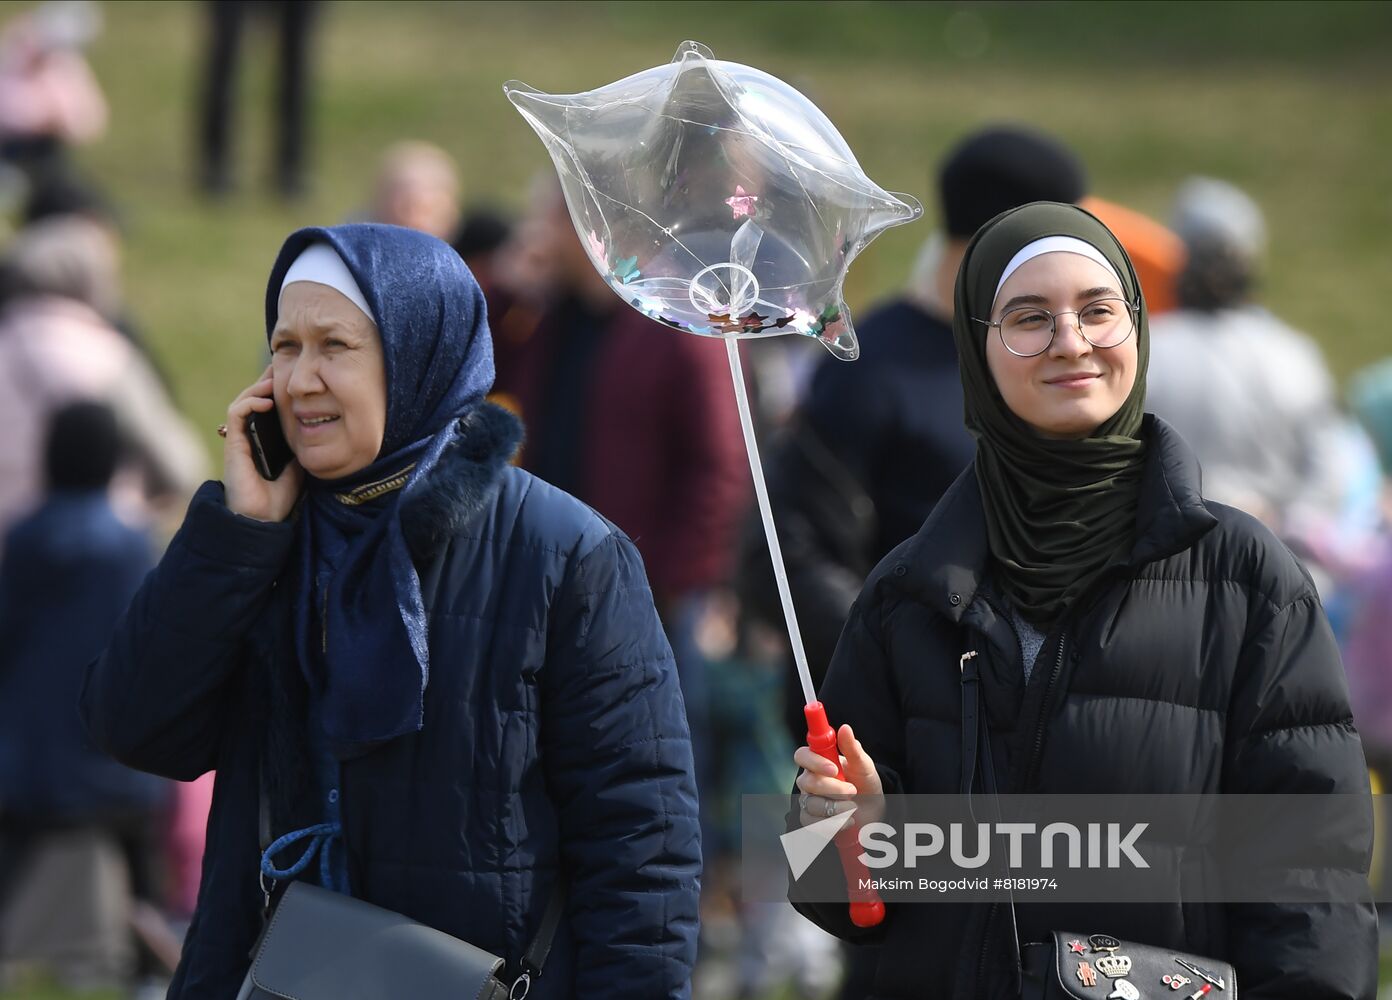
x,y
1057,512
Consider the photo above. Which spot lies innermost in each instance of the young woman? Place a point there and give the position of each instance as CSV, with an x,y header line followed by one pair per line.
x,y
1133,637
452,668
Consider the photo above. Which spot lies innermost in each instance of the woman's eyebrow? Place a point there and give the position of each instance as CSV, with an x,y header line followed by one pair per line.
x,y
1087,294
1099,292
325,328
1025,300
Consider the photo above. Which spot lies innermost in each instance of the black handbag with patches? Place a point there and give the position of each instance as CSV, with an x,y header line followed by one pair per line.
x,y
1075,966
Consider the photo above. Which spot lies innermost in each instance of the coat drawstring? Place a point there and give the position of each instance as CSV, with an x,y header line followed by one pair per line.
x,y
321,838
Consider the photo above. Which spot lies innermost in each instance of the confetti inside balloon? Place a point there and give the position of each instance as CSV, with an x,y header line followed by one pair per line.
x,y
715,198
741,202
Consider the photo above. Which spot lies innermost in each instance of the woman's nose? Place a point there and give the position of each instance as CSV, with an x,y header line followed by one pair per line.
x,y
1068,339
304,377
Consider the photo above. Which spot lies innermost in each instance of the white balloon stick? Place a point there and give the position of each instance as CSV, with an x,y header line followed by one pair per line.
x,y
751,447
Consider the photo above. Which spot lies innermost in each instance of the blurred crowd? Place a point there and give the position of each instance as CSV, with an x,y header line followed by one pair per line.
x,y
98,865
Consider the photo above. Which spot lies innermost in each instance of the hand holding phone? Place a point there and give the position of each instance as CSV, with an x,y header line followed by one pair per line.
x,y
269,450
261,480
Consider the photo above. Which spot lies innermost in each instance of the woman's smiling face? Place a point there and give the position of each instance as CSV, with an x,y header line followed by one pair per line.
x,y
330,380
1071,388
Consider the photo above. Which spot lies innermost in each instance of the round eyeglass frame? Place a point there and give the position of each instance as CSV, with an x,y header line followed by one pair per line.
x,y
1133,308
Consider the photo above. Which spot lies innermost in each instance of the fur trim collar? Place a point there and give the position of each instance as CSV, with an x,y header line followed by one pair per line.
x,y
463,481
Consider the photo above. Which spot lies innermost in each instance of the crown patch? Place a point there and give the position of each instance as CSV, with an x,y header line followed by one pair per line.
x,y
1113,966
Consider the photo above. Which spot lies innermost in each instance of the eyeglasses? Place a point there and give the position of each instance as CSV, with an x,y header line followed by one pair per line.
x,y
1029,330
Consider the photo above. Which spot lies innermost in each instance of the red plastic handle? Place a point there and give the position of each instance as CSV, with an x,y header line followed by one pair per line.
x,y
867,909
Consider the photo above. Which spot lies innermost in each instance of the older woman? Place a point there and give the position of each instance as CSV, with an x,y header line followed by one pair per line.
x,y
445,679
1132,636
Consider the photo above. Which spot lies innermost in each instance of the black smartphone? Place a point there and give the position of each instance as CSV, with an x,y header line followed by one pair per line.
x,y
269,449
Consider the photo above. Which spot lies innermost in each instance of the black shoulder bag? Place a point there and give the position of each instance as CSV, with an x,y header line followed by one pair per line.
x,y
1074,966
322,945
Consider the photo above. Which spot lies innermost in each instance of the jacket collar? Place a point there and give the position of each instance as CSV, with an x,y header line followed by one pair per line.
x,y
944,564
1172,514
463,481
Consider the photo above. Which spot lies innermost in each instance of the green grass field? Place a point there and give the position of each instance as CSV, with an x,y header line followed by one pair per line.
x,y
1293,101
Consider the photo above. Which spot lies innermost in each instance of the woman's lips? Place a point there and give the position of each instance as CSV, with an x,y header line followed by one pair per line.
x,y
312,426
1078,381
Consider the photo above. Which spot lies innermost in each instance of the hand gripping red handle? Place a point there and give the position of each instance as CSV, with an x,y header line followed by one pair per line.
x,y
867,909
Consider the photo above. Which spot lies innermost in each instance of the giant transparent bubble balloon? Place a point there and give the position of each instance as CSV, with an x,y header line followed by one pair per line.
x,y
715,198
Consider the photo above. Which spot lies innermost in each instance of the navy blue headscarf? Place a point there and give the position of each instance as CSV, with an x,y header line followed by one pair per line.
x,y
360,624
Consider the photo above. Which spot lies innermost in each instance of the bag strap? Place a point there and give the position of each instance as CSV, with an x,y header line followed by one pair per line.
x,y
971,726
535,955
975,732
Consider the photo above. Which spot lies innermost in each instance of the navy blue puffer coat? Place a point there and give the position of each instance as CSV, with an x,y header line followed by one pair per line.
x,y
555,740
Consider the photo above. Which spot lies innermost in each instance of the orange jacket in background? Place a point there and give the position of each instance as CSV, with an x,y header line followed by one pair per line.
x,y
1157,253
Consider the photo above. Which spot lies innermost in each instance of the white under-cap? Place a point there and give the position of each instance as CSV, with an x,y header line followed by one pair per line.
x,y
321,264
1056,244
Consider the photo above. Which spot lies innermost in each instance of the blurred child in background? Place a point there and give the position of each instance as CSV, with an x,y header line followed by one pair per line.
x,y
69,570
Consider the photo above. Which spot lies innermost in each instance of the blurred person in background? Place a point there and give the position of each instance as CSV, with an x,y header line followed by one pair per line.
x,y
50,100
69,570
520,292
71,195
485,240
228,20
68,194
57,343
1253,397
483,234
441,681
1364,580
635,419
417,186
1349,554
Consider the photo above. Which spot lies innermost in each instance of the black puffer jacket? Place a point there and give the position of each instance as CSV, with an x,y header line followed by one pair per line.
x,y
1201,664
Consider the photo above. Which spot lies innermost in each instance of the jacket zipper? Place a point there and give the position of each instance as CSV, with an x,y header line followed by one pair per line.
x,y
324,621
1033,765
1099,585
1034,758
991,908
1043,706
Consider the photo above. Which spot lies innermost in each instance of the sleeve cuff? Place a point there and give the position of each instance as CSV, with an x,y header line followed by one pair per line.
x,y
212,531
